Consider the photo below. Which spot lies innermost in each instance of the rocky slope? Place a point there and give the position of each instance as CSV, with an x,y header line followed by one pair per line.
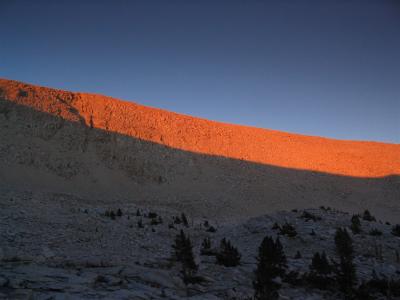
x,y
58,246
113,151
68,159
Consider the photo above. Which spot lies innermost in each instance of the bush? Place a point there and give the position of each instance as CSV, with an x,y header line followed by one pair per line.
x,y
396,230
355,224
228,255
289,230
22,93
119,212
375,232
211,229
156,221
184,220
368,217
293,278
394,287
309,216
374,286
271,263
206,248
275,226
152,215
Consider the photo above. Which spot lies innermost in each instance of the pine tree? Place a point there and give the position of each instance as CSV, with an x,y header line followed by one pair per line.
x,y
320,270
346,271
184,252
320,264
271,264
343,243
355,224
138,214
228,255
184,220
140,224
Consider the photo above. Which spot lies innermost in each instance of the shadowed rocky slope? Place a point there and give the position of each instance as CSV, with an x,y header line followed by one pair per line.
x,y
112,151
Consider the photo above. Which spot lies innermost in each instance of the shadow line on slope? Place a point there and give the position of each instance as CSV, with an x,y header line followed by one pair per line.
x,y
76,154
269,147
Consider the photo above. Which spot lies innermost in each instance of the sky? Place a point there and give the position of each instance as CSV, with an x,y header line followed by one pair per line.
x,y
326,68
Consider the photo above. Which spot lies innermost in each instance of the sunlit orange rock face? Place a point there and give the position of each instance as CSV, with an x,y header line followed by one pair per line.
x,y
269,147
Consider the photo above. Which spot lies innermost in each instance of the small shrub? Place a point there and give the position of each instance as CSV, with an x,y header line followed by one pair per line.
x,y
211,229
288,229
374,286
119,212
140,224
184,220
22,93
307,216
394,287
177,220
156,221
375,232
293,278
325,208
189,278
228,255
368,217
355,224
396,230
206,247
298,255
152,215
138,214
275,226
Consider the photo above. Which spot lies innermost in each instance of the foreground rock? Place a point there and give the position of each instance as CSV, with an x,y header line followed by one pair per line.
x,y
61,246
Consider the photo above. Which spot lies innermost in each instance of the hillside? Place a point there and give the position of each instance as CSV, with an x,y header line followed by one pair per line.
x,y
113,151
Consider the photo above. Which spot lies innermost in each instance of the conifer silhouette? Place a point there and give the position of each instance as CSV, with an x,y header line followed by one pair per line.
x,y
355,224
228,255
346,271
271,264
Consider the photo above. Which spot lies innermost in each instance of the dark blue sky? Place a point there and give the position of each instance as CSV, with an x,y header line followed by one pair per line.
x,y
329,68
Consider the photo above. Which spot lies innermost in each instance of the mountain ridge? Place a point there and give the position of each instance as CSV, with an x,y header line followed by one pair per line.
x,y
97,148
340,157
